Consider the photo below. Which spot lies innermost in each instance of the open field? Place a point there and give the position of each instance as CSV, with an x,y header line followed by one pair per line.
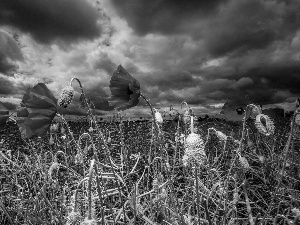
x,y
145,182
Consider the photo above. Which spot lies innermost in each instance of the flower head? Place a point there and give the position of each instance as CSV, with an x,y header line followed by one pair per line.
x,y
234,109
125,90
4,114
38,109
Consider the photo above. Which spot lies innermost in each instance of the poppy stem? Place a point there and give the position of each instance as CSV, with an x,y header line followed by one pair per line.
x,y
152,111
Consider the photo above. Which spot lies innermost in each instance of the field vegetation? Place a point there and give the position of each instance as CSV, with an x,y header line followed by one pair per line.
x,y
181,171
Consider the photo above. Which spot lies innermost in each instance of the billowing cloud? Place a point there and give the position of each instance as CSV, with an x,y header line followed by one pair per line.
x,y
52,20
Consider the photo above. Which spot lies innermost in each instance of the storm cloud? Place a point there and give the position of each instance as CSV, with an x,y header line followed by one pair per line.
x,y
52,20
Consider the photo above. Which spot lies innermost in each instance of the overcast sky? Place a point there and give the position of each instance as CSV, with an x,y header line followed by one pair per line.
x,y
200,51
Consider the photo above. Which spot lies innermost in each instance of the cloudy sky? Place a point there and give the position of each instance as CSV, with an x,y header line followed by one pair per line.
x,y
200,51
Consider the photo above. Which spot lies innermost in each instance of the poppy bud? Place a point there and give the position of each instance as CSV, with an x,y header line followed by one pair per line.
x,y
244,162
51,140
264,124
66,96
91,129
221,136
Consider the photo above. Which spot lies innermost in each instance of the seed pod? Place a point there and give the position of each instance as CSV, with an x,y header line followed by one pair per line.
x,y
66,96
221,136
264,124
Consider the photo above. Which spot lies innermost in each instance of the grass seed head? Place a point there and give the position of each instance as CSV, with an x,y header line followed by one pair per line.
x,y
66,96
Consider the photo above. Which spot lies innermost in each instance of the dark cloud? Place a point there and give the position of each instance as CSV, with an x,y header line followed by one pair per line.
x,y
6,87
10,52
9,106
164,16
223,26
50,20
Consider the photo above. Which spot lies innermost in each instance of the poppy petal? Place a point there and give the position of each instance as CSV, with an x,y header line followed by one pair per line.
x,y
23,122
234,109
39,97
125,90
38,111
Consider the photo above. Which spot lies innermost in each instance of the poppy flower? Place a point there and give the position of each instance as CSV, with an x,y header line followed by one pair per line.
x,y
38,109
4,114
125,90
234,109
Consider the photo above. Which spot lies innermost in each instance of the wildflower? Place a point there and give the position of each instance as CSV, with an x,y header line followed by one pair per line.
x,y
234,109
158,117
38,109
66,96
244,162
125,90
264,124
194,150
4,114
91,129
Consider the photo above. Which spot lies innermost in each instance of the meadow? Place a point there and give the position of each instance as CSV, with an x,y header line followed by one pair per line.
x,y
123,172
182,171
